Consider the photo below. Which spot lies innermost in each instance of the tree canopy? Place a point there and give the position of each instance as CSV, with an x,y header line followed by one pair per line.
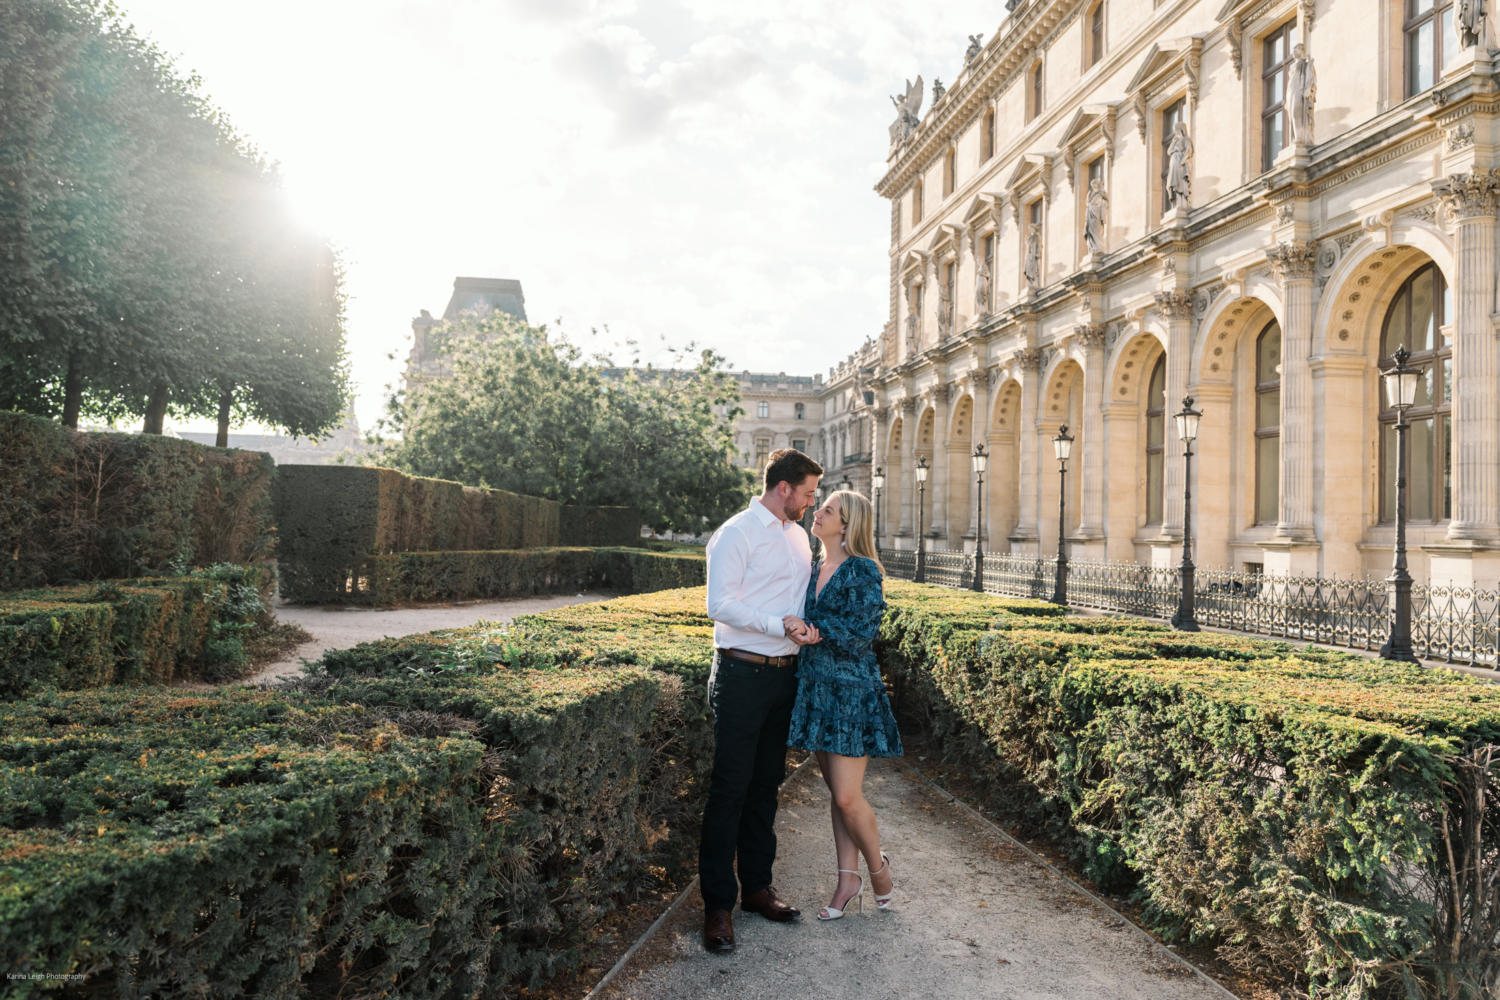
x,y
148,257
523,410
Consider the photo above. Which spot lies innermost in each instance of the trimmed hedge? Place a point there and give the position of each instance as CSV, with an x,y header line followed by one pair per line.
x,y
129,632
335,521
1285,805
444,837
92,506
595,527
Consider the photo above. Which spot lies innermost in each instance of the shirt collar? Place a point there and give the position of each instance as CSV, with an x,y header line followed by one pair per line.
x,y
764,516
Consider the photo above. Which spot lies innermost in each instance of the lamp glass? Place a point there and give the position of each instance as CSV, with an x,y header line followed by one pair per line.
x,y
1187,425
1401,387
981,462
1062,447
921,473
877,481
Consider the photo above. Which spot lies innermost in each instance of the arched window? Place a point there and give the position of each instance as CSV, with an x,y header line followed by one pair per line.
x,y
1096,35
1268,424
916,203
1156,425
1414,321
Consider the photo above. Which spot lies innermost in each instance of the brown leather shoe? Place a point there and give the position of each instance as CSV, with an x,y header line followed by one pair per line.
x,y
766,903
718,931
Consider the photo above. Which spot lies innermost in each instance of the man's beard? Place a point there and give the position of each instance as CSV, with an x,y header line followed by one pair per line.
x,y
795,514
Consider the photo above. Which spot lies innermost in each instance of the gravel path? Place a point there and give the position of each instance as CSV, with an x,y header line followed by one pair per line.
x,y
338,627
974,916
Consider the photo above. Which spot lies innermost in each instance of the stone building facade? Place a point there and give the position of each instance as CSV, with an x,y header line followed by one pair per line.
x,y
1117,204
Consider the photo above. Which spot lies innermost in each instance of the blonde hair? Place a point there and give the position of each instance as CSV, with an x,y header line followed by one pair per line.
x,y
858,515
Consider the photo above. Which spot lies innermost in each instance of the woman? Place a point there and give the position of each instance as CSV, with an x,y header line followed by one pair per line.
x,y
842,713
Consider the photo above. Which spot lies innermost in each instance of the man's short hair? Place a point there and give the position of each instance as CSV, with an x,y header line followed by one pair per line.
x,y
788,465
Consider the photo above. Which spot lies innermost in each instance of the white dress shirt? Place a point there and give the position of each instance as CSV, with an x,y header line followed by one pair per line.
x,y
758,568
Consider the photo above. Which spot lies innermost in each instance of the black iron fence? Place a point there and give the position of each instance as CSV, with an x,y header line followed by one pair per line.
x,y
1453,624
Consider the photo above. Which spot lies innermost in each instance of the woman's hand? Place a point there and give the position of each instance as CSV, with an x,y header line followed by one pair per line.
x,y
799,631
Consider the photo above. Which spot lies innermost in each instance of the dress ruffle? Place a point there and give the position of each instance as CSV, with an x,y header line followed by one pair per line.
x,y
841,703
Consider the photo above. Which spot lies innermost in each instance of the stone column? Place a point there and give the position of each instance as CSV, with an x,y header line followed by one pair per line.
x,y
1472,199
1177,308
879,435
1091,520
1293,263
1029,360
937,479
979,387
908,466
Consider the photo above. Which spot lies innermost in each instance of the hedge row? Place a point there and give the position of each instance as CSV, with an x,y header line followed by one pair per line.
x,y
1286,805
412,577
335,520
129,632
1294,807
91,506
452,836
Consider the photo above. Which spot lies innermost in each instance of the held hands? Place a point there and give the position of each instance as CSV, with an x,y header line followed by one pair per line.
x,y
799,631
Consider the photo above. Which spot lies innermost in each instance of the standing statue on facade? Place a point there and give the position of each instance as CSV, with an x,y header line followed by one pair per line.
x,y
1470,22
945,312
1179,170
1301,92
1097,217
976,42
982,290
1033,265
906,111
912,322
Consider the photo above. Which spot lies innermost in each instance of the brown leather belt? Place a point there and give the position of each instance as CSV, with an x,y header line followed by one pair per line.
x,y
774,661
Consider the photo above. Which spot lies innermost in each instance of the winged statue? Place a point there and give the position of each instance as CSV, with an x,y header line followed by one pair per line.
x,y
907,105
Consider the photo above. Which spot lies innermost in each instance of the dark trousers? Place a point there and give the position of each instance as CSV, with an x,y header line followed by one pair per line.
x,y
752,708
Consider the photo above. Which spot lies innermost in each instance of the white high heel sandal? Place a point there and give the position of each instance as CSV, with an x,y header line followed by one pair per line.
x,y
883,903
831,913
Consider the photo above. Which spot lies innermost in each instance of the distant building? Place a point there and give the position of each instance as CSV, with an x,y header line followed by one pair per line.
x,y
345,439
479,296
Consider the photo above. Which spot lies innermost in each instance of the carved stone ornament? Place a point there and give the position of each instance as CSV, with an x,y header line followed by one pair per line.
x,y
1309,8
1461,137
1422,213
1192,65
1236,32
907,106
1107,126
908,406
1328,256
1091,336
1469,196
1293,261
1175,304
976,43
1029,359
1140,113
1347,240
1285,214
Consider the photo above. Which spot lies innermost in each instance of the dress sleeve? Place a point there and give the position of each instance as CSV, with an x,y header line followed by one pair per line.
x,y
849,619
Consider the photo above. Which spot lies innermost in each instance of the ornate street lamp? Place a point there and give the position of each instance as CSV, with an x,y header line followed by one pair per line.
x,y
845,484
1062,447
921,471
1187,431
981,462
877,483
1400,393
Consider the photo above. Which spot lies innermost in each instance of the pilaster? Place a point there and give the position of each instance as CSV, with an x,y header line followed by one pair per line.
x,y
1029,361
1177,308
1293,263
909,421
938,478
1091,519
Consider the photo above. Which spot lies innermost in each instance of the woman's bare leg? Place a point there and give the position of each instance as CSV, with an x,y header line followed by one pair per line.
x,y
844,846
845,778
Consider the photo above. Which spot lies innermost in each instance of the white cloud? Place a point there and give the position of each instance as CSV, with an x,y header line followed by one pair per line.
x,y
696,170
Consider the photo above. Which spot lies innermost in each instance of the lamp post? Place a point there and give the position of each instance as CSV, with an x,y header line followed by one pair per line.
x,y
1400,392
921,471
1187,431
1062,447
845,484
877,483
981,462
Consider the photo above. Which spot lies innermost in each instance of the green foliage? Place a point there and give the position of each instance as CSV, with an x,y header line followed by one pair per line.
x,y
596,526
337,524
130,631
89,506
444,837
526,412
151,257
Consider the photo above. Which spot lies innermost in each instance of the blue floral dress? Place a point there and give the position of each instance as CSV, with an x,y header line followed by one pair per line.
x,y
841,702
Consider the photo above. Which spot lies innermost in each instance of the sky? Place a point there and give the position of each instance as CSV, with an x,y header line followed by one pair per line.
x,y
665,172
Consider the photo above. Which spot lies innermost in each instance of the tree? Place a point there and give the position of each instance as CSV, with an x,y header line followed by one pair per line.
x,y
147,259
527,412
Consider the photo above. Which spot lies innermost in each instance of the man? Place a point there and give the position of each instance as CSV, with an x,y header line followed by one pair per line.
x,y
759,562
